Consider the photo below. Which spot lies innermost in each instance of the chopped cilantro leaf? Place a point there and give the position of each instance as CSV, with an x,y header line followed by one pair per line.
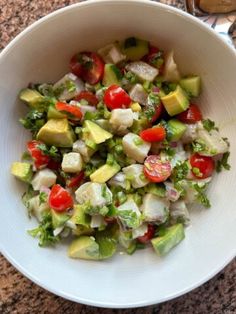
x,y
201,195
180,171
52,151
209,125
198,146
223,163
42,197
45,232
129,218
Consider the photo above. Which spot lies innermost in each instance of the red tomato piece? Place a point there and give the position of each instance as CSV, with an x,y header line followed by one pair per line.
x,y
54,164
75,180
158,112
59,199
40,159
155,169
74,110
202,166
116,97
87,65
75,66
110,220
155,134
148,235
153,56
191,115
88,96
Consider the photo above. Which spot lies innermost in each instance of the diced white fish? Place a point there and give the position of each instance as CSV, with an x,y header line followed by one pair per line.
x,y
213,141
93,192
171,72
133,150
70,86
86,152
118,180
43,178
72,162
136,175
121,119
143,70
140,231
138,94
155,208
111,54
179,211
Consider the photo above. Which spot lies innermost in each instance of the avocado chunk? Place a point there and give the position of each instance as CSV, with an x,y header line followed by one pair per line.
x,y
107,246
31,97
82,230
104,173
57,132
175,130
163,244
112,75
192,85
85,247
135,48
95,133
79,216
53,113
22,171
58,219
175,102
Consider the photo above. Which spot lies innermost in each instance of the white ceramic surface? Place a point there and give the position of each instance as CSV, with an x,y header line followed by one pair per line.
x,y
41,53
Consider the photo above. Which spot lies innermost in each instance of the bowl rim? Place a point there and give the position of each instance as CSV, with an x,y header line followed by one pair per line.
x,y
10,257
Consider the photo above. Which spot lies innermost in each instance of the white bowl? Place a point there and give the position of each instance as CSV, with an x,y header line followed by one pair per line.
x,y
41,53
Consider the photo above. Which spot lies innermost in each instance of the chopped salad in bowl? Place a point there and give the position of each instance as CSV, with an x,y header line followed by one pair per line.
x,y
120,151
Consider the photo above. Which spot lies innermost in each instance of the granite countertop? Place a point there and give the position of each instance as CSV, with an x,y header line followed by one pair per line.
x,y
20,295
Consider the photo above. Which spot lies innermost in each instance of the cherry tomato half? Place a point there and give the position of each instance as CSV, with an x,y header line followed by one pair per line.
x,y
191,115
202,166
75,180
88,96
40,159
154,58
116,97
148,235
158,112
74,110
155,134
87,65
155,169
59,199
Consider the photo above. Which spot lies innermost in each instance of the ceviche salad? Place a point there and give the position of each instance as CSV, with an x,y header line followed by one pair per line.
x,y
119,152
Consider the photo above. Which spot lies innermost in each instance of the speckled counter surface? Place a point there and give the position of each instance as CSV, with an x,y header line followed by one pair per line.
x,y
20,295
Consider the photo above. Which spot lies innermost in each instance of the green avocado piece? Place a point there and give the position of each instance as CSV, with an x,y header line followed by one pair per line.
x,y
79,216
107,247
112,75
192,85
156,189
85,247
57,132
135,48
95,133
82,230
104,173
175,102
22,171
163,244
176,130
58,219
53,113
31,97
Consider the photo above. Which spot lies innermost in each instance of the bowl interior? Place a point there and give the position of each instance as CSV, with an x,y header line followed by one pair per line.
x,y
41,54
